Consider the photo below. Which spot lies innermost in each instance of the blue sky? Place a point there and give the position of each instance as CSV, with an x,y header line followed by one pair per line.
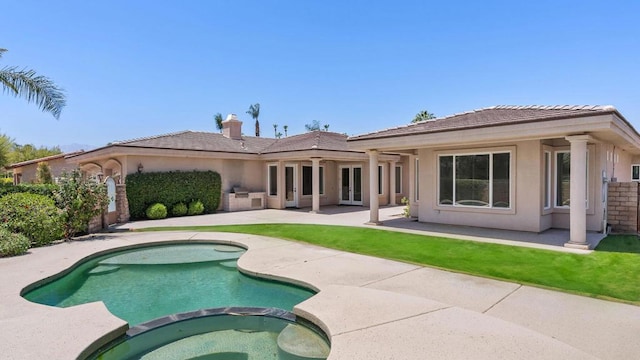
x,y
141,68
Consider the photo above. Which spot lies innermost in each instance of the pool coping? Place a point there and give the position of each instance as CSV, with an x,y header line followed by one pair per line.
x,y
338,276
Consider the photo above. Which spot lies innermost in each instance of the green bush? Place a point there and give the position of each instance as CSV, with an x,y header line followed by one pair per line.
x,y
156,211
80,200
196,208
179,209
144,189
35,216
12,244
40,189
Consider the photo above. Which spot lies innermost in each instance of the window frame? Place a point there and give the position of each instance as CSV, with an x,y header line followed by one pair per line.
x,y
490,153
555,176
416,183
380,179
321,177
638,166
398,176
547,178
269,180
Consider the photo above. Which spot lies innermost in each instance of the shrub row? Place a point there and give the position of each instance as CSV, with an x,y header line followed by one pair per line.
x,y
171,189
159,211
35,216
12,244
40,189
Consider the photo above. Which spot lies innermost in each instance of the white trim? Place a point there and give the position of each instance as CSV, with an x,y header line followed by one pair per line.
x,y
322,180
416,183
381,179
548,171
632,166
269,179
398,181
490,154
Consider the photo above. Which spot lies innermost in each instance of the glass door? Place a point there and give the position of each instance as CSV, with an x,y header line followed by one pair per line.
x,y
290,180
351,185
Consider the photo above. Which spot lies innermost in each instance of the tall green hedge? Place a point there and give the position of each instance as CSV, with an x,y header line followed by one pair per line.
x,y
39,189
170,188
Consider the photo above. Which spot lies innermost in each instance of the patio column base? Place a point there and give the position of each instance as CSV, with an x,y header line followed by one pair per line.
x,y
315,212
581,246
373,223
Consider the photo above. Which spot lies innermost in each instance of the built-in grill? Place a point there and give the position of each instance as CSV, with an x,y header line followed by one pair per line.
x,y
240,192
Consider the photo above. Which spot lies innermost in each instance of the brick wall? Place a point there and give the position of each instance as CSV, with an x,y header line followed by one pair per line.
x,y
622,207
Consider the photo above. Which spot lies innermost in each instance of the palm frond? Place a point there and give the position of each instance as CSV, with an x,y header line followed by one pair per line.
x,y
34,88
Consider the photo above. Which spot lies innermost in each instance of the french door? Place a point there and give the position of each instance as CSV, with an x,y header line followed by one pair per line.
x,y
291,184
351,185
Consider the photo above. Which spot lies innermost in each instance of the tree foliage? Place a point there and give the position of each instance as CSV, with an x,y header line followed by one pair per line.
x,y
422,116
35,216
80,200
218,119
26,83
254,111
27,152
315,125
43,173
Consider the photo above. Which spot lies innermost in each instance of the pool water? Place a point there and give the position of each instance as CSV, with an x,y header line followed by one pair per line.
x,y
231,333
147,283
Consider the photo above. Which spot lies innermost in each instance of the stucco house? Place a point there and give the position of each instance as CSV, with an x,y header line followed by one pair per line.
x,y
307,170
25,171
527,168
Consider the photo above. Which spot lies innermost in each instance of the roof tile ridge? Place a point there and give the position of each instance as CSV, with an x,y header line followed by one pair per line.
x,y
122,142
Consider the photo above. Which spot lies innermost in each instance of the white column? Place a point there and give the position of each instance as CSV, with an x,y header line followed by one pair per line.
x,y
578,185
373,188
392,183
315,187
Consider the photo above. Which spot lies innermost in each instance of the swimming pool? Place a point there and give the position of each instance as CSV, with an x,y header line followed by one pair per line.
x,y
145,283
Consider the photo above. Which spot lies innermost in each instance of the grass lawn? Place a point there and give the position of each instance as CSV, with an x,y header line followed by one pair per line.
x,y
610,272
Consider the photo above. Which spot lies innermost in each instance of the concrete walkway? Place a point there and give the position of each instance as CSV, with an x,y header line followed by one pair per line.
x,y
370,307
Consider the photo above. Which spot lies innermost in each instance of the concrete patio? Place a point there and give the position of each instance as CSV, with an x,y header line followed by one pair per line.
x,y
371,308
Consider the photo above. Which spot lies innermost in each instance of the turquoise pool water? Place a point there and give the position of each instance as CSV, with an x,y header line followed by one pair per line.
x,y
147,283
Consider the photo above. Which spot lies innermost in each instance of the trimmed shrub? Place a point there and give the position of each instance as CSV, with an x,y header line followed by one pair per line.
x,y
156,211
144,189
196,208
179,209
12,244
40,189
35,216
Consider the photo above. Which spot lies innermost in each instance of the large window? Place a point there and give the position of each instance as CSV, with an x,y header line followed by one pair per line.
x,y
480,180
563,178
307,180
635,172
398,175
273,180
380,179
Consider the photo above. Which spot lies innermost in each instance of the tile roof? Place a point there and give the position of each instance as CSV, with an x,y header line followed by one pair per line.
x,y
206,141
47,158
318,140
491,116
200,141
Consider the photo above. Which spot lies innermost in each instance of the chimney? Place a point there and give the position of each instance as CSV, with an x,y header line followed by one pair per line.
x,y
232,127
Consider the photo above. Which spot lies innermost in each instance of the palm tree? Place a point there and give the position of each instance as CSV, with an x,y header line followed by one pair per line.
x,y
285,127
275,130
39,89
422,116
218,119
254,111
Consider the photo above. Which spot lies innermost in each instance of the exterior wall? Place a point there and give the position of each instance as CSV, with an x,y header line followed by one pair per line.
x,y
57,166
524,214
623,207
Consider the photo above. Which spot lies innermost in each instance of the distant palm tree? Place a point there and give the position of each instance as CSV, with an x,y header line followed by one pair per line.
x,y
275,130
285,127
326,127
39,89
422,116
254,111
218,119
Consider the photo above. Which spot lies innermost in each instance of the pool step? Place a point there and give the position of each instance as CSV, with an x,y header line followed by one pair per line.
x,y
299,343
